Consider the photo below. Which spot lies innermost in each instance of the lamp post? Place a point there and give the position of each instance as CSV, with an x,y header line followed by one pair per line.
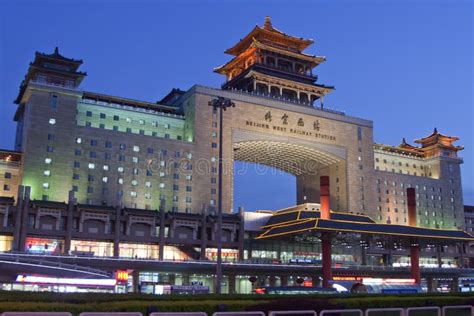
x,y
221,104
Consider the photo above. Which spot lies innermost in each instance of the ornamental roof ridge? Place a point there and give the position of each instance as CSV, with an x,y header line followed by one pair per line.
x,y
57,55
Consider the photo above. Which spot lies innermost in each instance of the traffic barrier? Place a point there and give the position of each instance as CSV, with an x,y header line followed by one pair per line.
x,y
385,312
36,314
342,312
277,313
459,310
178,314
111,314
423,311
238,313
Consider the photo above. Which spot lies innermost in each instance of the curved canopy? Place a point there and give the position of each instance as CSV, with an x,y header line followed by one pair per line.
x,y
292,158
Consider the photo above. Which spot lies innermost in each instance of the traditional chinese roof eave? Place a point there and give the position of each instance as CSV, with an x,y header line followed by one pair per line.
x,y
246,41
227,67
315,60
57,56
434,137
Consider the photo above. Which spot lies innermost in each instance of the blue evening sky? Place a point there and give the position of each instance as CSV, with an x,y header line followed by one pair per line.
x,y
406,65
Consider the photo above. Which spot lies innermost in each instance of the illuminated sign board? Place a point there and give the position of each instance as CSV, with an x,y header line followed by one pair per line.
x,y
64,281
43,245
121,276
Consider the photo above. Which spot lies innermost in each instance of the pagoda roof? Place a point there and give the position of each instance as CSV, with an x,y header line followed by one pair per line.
x,y
439,140
436,137
57,56
314,60
271,33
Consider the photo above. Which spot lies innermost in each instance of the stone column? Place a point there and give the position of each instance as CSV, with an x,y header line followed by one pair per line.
x,y
272,280
162,230
24,219
172,279
440,259
117,225
231,278
241,234
432,285
136,281
69,222
203,232
18,215
316,281
461,255
455,285
363,255
185,279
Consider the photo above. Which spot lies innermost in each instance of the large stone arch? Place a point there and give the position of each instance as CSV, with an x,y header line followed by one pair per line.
x,y
304,159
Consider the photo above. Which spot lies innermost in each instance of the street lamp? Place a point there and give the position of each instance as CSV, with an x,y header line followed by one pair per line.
x,y
222,104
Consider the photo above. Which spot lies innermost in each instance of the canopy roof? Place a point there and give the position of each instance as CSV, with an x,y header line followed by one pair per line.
x,y
268,32
303,220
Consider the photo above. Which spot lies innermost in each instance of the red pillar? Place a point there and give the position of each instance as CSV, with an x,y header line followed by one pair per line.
x,y
326,259
415,263
414,248
325,210
324,197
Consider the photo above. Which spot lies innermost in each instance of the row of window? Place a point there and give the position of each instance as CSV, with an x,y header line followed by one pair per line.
x,y
407,172
129,120
130,130
406,164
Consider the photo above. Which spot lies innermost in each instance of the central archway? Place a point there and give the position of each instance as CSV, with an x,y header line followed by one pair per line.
x,y
306,161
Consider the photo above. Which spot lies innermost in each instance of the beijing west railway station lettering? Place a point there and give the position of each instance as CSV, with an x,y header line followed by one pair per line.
x,y
78,184
285,129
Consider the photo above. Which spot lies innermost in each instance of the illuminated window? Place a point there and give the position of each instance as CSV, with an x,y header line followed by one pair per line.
x,y
52,121
106,167
91,166
136,148
134,182
142,122
120,169
133,194
162,185
45,185
189,177
78,140
105,179
148,184
128,120
47,173
48,161
135,159
120,181
147,196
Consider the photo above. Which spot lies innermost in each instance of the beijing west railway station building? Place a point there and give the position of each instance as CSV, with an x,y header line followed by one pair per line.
x,y
99,184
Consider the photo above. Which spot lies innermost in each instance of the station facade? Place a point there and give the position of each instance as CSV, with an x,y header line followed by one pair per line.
x,y
108,176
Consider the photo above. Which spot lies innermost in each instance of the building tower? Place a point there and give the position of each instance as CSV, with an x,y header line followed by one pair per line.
x,y
269,62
